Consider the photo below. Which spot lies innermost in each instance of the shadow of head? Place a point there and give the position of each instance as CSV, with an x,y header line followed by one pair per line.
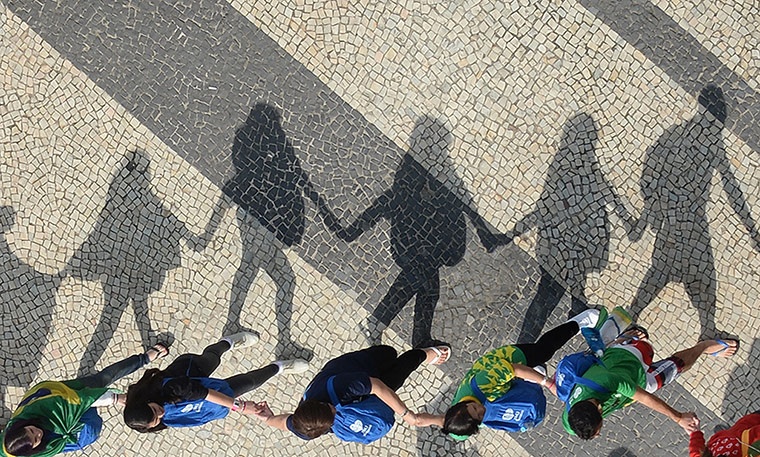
x,y
138,163
711,99
7,218
621,452
429,142
579,137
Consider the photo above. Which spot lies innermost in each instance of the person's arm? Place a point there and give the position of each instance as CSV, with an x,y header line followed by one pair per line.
x,y
735,195
688,420
243,407
529,374
425,420
262,412
390,398
199,242
696,444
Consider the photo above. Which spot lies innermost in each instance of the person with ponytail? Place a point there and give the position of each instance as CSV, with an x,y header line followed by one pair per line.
x,y
184,394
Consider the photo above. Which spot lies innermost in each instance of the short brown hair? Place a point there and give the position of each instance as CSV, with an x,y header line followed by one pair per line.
x,y
313,418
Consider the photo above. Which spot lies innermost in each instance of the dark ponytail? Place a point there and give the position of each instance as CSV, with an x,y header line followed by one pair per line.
x,y
137,413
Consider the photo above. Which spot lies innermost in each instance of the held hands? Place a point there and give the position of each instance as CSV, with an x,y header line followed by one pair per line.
x,y
260,410
688,421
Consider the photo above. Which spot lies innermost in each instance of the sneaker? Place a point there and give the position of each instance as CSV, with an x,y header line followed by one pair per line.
x,y
587,318
292,366
615,324
241,340
541,369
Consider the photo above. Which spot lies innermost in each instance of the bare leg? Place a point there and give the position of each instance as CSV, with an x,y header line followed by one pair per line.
x,y
690,356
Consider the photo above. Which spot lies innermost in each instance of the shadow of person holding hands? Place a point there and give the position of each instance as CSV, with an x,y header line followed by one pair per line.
x,y
428,226
269,187
27,297
675,185
573,225
134,243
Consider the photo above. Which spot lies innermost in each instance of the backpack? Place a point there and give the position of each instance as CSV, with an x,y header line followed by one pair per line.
x,y
570,372
521,408
198,412
365,421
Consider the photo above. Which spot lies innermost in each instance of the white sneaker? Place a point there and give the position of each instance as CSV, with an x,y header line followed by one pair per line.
x,y
541,369
292,366
587,318
241,340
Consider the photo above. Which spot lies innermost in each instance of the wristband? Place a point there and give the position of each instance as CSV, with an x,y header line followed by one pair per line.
x,y
405,412
543,381
236,405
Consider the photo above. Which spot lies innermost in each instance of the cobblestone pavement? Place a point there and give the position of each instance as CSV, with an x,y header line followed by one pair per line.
x,y
166,170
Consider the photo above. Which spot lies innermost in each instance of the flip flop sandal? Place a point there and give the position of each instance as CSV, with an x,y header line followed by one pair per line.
x,y
161,349
725,347
440,357
635,327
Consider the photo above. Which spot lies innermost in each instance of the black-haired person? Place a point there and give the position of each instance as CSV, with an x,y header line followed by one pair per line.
x,y
184,394
494,373
60,416
365,381
629,374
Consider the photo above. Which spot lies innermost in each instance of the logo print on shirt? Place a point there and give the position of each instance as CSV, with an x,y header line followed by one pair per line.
x,y
192,407
358,427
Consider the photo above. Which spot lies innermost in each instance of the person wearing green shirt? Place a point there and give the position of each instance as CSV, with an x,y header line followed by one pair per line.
x,y
60,416
629,374
495,371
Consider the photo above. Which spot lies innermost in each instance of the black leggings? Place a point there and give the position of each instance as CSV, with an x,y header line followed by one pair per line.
x,y
115,371
382,362
542,350
203,365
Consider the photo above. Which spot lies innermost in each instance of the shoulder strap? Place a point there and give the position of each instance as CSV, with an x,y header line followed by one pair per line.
x,y
745,443
591,384
476,391
331,391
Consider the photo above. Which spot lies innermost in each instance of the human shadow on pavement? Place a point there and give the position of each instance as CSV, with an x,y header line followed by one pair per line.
x,y
621,452
28,305
675,186
742,392
269,188
573,224
428,225
134,243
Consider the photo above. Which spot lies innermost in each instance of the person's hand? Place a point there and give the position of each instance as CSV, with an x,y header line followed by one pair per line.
x,y
411,418
260,410
689,422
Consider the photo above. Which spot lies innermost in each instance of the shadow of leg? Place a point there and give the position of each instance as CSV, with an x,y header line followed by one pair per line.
x,y
654,281
241,284
701,291
107,325
546,299
279,269
142,319
424,309
401,291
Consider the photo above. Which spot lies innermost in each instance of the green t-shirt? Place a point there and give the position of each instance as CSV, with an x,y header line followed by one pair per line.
x,y
493,374
622,373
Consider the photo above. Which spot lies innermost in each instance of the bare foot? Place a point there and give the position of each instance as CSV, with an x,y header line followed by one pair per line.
x,y
725,349
157,351
437,355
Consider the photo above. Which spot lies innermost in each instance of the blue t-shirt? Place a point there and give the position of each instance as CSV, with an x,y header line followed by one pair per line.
x,y
189,413
349,387
93,425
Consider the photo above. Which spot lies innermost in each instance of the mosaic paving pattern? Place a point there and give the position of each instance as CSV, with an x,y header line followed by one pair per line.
x,y
332,174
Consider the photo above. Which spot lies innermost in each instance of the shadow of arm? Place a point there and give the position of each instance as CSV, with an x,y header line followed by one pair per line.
x,y
364,222
736,198
200,242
